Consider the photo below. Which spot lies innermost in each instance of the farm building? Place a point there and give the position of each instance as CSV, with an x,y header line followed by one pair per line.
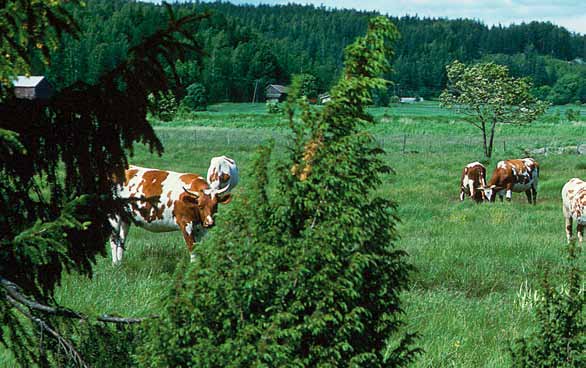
x,y
32,88
276,92
410,99
324,97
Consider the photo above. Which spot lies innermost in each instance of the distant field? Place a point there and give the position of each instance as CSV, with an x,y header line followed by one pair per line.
x,y
478,265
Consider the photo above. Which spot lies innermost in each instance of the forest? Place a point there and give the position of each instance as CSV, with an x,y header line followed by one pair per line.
x,y
247,47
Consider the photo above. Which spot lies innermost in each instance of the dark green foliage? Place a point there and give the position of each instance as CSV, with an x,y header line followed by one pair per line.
x,y
560,338
303,85
162,105
568,89
248,46
308,276
273,107
99,344
195,98
59,161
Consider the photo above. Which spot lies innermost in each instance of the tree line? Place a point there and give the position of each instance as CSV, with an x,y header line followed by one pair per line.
x,y
245,47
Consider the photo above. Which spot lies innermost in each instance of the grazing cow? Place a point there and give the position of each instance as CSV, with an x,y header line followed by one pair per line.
x,y
161,201
514,176
574,207
473,181
222,173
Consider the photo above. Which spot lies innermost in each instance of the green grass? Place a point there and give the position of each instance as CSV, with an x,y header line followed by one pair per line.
x,y
477,265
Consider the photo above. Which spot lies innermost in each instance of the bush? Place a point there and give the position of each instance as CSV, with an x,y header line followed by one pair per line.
x,y
572,115
312,278
195,98
273,107
560,339
162,105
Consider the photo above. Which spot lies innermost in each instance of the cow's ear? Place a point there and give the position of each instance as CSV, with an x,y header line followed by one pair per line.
x,y
225,199
189,199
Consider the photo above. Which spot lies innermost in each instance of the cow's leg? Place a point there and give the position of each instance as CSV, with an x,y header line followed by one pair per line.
x,y
118,238
569,228
187,231
509,194
534,194
462,194
528,193
580,232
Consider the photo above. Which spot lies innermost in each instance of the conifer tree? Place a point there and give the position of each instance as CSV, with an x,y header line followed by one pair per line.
x,y
58,163
302,270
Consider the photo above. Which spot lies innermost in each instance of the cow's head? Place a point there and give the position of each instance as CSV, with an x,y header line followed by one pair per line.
x,y
489,193
206,204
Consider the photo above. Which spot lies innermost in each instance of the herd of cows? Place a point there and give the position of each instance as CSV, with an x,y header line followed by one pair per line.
x,y
161,201
522,175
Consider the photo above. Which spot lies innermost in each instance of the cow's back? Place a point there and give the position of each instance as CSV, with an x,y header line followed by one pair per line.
x,y
570,191
156,196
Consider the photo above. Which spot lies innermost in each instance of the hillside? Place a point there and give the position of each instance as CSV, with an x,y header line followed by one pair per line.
x,y
255,45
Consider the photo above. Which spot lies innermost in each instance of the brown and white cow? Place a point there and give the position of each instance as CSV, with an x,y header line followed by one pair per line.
x,y
161,201
574,207
520,175
473,181
222,173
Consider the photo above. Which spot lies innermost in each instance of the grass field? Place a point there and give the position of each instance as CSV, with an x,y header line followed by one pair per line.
x,y
478,265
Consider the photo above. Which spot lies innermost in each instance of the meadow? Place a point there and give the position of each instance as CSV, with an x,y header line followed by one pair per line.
x,y
479,267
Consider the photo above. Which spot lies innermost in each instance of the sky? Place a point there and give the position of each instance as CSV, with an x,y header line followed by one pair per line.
x,y
570,14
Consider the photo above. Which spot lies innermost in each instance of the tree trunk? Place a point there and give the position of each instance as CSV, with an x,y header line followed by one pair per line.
x,y
485,147
491,141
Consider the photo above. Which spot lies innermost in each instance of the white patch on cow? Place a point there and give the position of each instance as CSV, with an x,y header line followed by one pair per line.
x,y
192,258
476,163
223,165
501,165
189,228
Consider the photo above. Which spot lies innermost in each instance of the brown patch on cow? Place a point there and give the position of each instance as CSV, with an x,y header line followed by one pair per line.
x,y
570,191
214,175
169,201
194,182
152,183
130,173
224,178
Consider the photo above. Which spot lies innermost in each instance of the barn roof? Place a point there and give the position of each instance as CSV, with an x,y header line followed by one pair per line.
x,y
280,88
22,81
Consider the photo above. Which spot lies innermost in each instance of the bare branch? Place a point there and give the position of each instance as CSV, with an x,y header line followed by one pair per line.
x,y
124,320
13,291
17,297
64,343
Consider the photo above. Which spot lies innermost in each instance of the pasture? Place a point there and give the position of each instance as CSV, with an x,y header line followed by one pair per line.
x,y
478,266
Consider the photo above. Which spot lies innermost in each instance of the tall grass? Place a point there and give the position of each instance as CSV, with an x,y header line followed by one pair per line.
x,y
478,266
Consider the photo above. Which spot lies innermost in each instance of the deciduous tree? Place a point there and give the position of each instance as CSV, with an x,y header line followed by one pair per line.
x,y
487,95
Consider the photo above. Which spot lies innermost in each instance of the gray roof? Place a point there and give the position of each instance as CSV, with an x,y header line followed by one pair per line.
x,y
280,88
22,81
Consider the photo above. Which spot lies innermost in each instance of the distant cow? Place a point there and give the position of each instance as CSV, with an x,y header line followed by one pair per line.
x,y
574,207
473,181
161,201
222,173
514,176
